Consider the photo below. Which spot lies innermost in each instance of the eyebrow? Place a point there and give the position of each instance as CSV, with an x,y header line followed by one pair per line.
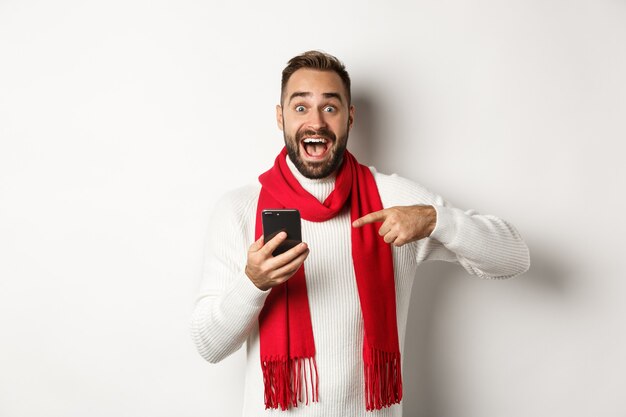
x,y
308,94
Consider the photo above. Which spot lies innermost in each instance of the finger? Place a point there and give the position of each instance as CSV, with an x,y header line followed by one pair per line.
x,y
289,269
286,257
256,245
399,242
271,245
377,216
390,237
384,229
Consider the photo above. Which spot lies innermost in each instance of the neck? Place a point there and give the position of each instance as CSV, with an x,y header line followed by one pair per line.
x,y
318,188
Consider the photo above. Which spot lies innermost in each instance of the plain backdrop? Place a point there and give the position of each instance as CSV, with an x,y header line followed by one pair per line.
x,y
122,122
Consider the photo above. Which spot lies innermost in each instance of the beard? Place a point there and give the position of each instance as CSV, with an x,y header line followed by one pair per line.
x,y
321,169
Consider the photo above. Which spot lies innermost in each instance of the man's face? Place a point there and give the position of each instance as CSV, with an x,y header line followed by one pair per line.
x,y
315,119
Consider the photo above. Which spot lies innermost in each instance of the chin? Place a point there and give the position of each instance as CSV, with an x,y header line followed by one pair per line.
x,y
317,170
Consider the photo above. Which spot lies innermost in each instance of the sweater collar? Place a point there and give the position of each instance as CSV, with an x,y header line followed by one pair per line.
x,y
318,188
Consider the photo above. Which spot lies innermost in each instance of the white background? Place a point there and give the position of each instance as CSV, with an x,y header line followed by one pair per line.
x,y
122,122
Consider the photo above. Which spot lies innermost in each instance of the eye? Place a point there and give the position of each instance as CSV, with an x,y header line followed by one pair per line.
x,y
329,109
299,109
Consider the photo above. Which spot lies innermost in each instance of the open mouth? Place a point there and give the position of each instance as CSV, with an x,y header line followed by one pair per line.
x,y
315,147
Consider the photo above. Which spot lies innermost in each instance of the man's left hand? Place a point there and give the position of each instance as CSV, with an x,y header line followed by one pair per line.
x,y
402,224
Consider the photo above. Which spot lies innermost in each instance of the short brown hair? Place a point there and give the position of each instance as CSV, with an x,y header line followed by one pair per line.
x,y
317,60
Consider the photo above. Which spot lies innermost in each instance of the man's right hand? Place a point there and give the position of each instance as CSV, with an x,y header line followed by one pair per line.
x,y
267,271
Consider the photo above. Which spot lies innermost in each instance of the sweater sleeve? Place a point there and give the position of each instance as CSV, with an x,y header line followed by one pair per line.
x,y
228,303
485,245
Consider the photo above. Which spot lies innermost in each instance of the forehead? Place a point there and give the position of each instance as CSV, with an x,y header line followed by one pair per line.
x,y
306,80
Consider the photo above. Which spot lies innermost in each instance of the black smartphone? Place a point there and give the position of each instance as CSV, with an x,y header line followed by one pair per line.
x,y
282,220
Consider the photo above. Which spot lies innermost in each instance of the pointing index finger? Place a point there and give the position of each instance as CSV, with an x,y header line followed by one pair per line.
x,y
376,216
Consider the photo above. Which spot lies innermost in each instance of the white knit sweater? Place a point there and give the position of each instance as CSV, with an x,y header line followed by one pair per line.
x,y
228,305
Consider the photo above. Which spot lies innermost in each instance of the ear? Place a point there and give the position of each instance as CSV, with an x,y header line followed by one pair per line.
x,y
279,116
351,117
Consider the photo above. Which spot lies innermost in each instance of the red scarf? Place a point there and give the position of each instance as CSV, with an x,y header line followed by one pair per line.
x,y
286,333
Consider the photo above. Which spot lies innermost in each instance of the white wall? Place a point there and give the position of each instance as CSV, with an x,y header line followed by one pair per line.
x,y
122,122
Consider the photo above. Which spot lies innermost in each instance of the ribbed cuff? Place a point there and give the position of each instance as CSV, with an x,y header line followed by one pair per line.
x,y
445,228
246,293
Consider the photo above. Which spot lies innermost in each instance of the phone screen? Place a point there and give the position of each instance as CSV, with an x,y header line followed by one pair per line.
x,y
282,220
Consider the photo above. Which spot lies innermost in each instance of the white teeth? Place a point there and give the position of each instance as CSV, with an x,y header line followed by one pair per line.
x,y
314,140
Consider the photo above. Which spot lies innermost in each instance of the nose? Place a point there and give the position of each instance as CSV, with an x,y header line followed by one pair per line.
x,y
317,120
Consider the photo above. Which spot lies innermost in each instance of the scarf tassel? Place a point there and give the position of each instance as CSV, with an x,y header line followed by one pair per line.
x,y
289,381
383,379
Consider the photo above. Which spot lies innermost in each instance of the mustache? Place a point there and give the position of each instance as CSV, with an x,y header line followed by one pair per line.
x,y
321,132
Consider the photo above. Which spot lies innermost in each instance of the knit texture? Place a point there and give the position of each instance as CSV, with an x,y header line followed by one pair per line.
x,y
228,304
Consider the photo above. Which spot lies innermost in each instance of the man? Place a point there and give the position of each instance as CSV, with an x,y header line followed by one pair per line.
x,y
324,322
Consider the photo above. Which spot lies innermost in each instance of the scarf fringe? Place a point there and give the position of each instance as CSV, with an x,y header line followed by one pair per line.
x,y
383,379
289,381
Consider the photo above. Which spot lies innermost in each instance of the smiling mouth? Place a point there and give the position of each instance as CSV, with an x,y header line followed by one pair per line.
x,y
315,147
